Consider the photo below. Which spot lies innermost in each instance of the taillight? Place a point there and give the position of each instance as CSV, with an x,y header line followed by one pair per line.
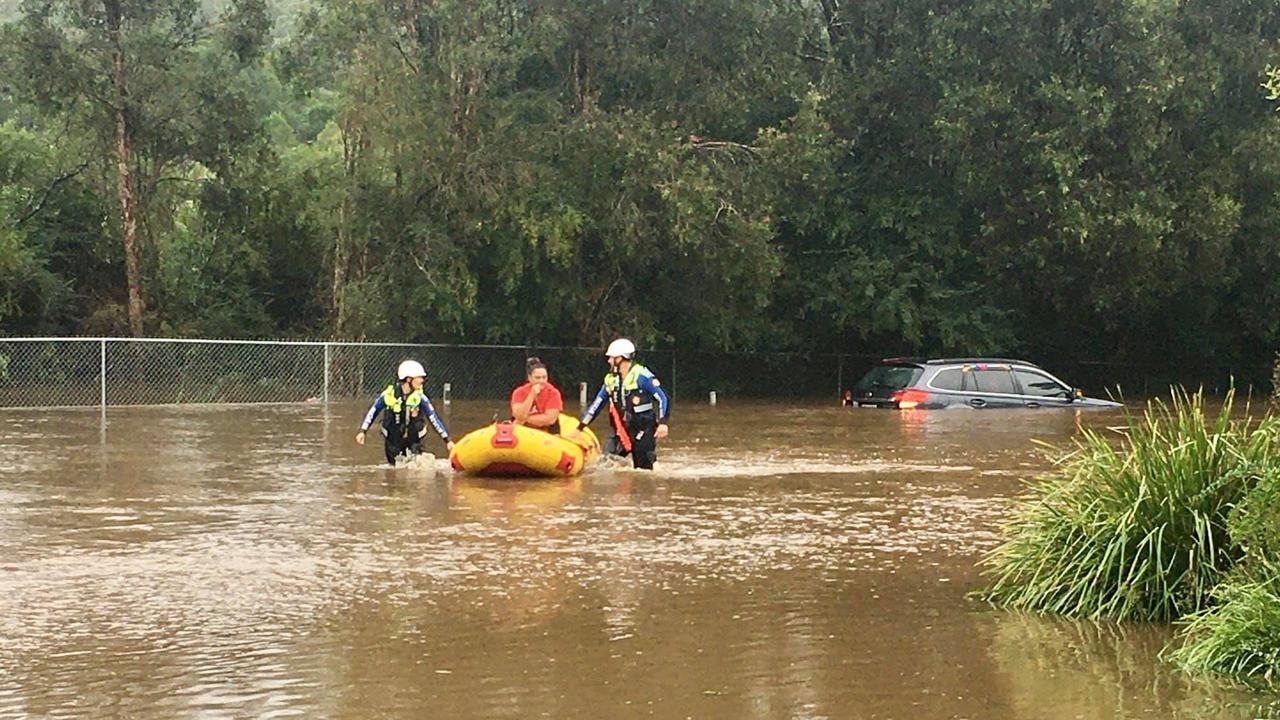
x,y
907,399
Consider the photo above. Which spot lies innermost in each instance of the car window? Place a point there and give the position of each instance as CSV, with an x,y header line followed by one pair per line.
x,y
949,379
1039,385
888,377
992,380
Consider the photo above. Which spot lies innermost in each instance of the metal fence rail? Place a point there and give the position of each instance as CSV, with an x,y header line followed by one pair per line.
x,y
102,372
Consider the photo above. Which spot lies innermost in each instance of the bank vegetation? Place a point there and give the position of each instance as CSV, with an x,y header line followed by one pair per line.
x,y
1174,517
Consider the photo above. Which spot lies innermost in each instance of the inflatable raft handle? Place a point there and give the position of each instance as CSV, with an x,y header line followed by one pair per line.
x,y
504,435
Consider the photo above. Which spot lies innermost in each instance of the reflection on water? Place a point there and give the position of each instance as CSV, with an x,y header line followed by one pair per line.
x,y
781,562
1055,666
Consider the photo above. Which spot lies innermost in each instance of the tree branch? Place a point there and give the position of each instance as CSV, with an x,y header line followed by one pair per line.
x,y
44,198
405,56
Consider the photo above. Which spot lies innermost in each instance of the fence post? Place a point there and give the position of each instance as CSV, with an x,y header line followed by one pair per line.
x,y
102,374
326,374
673,372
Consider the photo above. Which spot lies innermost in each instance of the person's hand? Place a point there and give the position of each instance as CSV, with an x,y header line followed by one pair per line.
x,y
535,389
661,431
360,438
449,446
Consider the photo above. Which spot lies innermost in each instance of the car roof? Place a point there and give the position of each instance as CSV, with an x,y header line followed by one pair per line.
x,y
956,361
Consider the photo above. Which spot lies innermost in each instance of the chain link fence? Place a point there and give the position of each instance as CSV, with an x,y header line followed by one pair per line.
x,y
68,372
63,372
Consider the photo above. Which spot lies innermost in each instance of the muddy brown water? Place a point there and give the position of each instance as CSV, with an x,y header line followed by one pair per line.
x,y
780,562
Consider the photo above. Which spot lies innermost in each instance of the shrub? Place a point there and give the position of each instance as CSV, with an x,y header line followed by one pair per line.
x,y
1240,635
1134,529
1275,379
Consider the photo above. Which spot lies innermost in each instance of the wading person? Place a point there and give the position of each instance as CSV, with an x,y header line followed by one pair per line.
x,y
405,411
638,406
537,403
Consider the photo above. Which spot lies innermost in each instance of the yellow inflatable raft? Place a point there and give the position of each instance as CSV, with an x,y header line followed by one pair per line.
x,y
506,449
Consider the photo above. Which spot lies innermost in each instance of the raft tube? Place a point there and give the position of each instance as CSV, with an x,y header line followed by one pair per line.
x,y
506,449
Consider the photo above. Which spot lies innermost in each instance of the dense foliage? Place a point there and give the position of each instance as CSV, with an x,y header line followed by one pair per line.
x,y
1071,180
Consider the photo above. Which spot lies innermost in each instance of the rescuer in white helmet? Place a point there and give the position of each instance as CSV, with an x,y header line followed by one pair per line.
x,y
638,406
407,410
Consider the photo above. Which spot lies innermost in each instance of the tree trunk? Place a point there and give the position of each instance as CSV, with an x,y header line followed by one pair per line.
x,y
124,176
340,239
352,144
582,80
835,23
411,26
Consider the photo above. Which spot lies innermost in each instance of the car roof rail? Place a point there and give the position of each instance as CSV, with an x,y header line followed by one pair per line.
x,y
977,360
956,360
904,360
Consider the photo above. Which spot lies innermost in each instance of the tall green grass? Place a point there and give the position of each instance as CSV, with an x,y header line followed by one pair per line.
x,y
1133,525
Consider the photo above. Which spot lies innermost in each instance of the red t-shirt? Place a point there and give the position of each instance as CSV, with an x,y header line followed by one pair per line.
x,y
548,400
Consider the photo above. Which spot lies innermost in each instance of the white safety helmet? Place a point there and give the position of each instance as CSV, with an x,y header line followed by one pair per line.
x,y
410,369
621,347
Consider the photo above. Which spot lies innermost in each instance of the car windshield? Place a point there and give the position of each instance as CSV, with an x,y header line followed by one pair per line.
x,y
887,378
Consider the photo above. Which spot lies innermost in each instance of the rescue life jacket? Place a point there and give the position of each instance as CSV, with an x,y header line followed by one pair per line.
x,y
625,391
399,406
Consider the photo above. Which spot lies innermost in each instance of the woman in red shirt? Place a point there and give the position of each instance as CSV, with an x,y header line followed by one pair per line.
x,y
537,403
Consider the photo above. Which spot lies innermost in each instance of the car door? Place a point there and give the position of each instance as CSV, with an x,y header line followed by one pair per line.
x,y
994,387
1040,390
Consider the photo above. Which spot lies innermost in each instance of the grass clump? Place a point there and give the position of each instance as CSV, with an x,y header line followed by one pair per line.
x,y
1135,527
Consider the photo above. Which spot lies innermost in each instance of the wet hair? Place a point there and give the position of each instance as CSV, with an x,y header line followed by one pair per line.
x,y
533,363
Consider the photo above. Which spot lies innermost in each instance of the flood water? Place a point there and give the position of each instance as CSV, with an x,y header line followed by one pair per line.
x,y
780,562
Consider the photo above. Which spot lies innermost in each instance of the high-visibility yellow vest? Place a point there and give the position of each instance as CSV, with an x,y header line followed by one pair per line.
x,y
396,403
631,397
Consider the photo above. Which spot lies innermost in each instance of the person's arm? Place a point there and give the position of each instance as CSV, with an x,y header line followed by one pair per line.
x,y
520,409
426,407
594,408
552,403
651,385
374,409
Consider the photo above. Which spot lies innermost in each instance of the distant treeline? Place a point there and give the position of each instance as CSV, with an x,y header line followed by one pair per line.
x,y
1078,179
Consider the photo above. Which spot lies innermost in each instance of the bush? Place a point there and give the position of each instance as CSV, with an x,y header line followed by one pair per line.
x,y
1135,529
1275,379
1240,635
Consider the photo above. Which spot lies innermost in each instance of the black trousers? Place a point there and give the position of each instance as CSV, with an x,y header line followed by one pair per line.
x,y
399,440
644,446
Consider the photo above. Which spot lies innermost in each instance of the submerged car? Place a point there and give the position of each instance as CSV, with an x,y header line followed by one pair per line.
x,y
907,383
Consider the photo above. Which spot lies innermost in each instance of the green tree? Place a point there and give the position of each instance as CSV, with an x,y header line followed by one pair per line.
x,y
55,261
146,80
